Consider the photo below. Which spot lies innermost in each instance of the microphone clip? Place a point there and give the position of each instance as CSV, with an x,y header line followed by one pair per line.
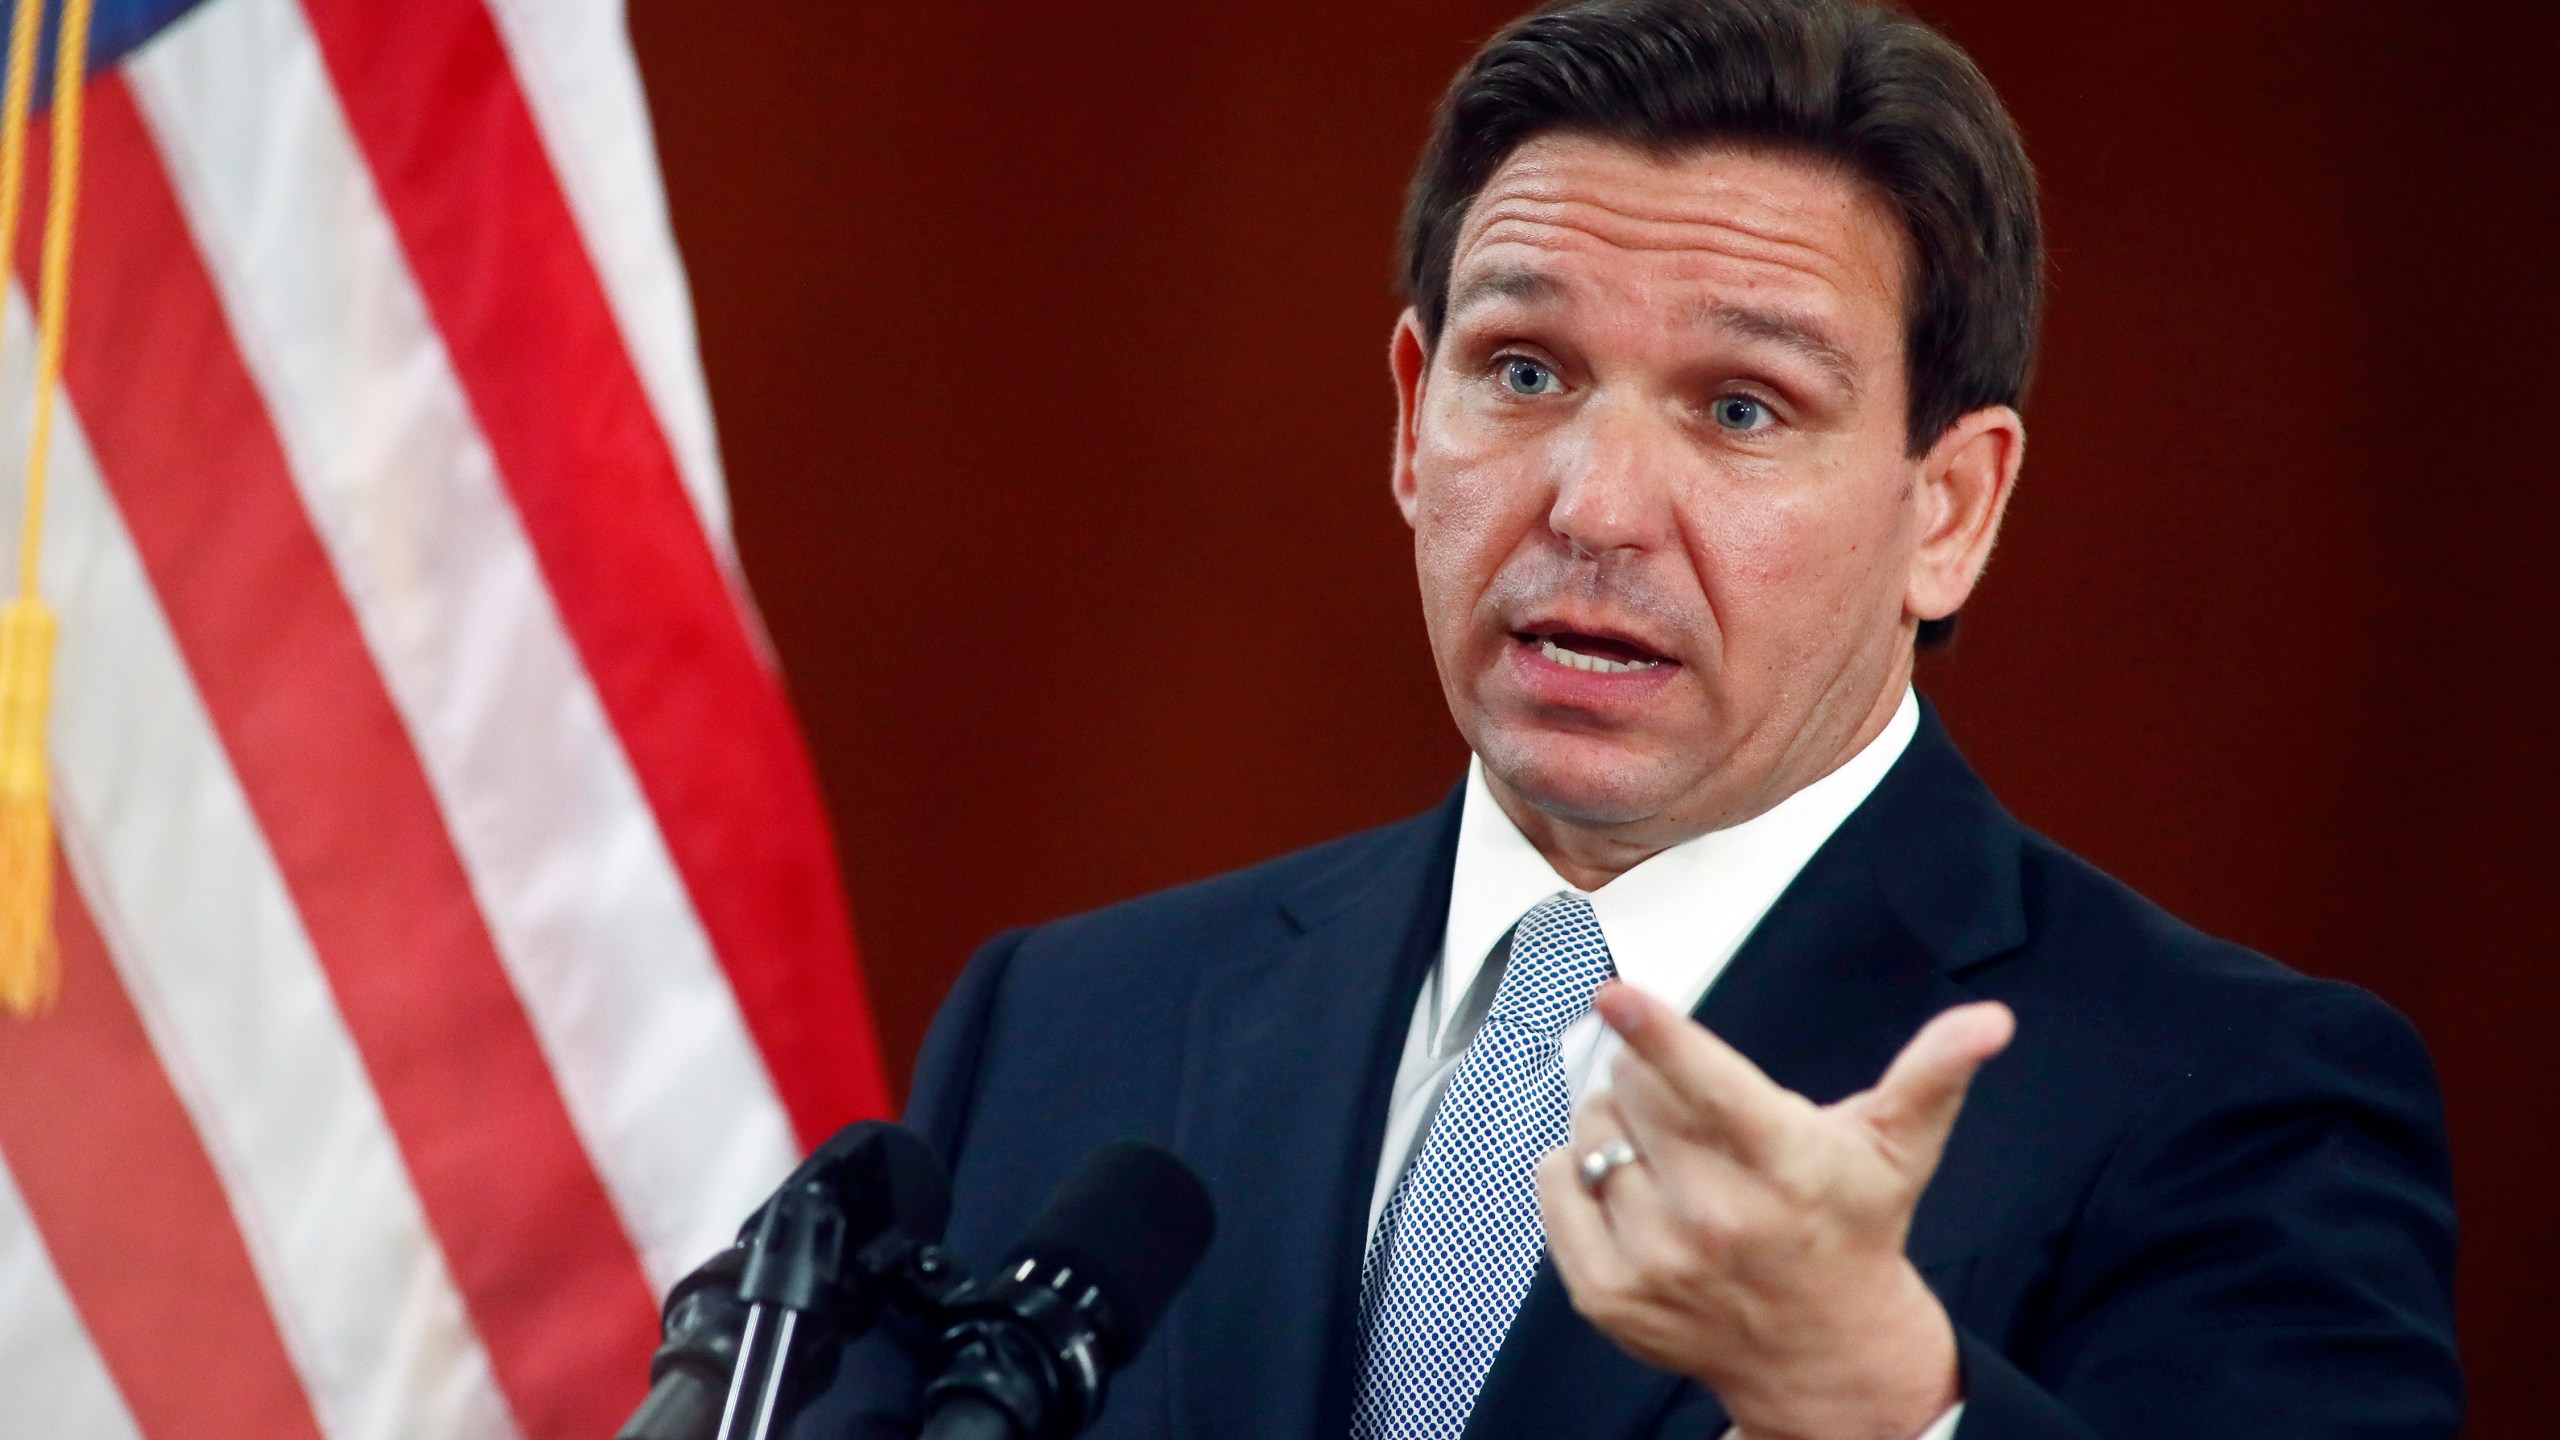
x,y
794,1269
796,1273
1027,1342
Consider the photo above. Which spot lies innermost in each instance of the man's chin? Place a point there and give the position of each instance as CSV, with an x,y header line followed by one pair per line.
x,y
1580,780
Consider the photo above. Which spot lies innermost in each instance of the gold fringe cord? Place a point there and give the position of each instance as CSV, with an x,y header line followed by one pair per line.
x,y
29,965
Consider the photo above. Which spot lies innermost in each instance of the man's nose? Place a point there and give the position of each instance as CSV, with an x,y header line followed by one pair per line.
x,y
1613,479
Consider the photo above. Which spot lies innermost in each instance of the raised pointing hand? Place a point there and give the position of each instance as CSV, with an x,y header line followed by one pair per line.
x,y
1757,1246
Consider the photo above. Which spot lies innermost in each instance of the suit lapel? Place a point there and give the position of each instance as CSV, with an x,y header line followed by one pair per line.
x,y
1287,1072
1854,958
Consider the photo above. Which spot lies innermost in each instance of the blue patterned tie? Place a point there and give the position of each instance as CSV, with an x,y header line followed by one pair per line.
x,y
1460,1237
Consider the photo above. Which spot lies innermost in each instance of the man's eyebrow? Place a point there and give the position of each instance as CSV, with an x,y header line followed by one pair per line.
x,y
1508,283
1796,333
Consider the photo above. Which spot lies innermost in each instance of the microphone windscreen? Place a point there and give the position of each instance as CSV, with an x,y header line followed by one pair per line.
x,y
1133,1221
918,1188
883,1176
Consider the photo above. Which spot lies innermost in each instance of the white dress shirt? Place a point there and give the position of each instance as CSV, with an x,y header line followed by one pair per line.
x,y
1672,923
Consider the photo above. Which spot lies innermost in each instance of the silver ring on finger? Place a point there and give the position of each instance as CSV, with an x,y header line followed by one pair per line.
x,y
1596,1166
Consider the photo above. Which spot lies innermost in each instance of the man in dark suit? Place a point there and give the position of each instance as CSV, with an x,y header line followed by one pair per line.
x,y
1647,1087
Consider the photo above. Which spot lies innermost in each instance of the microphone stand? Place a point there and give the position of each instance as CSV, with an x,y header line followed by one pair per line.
x,y
1021,1355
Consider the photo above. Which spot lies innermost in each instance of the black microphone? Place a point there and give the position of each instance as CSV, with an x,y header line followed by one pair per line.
x,y
867,1181
1029,1350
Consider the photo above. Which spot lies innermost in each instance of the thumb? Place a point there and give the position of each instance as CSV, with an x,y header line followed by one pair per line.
x,y
1914,1106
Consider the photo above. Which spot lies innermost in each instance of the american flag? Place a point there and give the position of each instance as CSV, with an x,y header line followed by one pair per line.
x,y
451,945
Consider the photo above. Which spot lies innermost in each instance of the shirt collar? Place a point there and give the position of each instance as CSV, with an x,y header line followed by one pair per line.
x,y
1672,921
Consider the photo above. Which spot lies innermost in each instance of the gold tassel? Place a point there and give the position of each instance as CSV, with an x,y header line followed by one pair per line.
x,y
30,967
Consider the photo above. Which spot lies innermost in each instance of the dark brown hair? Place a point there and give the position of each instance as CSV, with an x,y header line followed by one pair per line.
x,y
1870,88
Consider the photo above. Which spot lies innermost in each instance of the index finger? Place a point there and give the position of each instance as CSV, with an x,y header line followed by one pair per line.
x,y
1713,1081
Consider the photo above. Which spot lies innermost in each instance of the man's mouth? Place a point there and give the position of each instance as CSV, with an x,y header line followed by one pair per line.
x,y
1599,654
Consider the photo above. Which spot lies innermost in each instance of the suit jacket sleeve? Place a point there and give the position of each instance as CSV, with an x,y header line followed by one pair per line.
x,y
873,1392
2268,1253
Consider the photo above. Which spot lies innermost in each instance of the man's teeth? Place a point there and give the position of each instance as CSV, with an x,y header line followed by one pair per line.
x,y
1579,661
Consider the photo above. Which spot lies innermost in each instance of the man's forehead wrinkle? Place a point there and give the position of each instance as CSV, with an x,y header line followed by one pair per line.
x,y
1559,228
1726,205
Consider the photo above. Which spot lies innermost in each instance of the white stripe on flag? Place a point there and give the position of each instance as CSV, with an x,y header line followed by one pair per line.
x,y
564,855
209,946
58,1389
573,62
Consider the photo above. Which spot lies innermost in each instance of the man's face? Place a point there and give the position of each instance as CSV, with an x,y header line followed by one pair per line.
x,y
1670,540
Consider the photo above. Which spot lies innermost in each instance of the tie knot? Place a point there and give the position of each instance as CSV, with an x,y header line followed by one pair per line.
x,y
1558,958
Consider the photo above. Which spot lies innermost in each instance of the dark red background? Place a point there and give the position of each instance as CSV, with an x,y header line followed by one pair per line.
x,y
1048,344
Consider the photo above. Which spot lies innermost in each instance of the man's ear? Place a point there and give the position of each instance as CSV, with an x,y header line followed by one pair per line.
x,y
1961,491
1410,361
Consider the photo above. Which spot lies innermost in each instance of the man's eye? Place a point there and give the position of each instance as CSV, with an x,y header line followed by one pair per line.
x,y
1741,412
1523,376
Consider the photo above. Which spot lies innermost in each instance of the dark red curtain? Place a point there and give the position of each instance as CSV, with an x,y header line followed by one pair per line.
x,y
1048,345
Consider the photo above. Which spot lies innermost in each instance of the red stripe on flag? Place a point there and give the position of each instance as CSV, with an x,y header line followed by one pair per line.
x,y
135,1217
433,103
184,440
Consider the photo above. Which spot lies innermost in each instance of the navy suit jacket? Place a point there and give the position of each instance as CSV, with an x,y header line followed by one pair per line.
x,y
2199,1196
